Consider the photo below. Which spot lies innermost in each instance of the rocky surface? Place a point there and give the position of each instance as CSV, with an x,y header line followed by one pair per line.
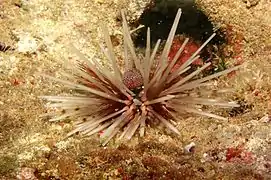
x,y
33,148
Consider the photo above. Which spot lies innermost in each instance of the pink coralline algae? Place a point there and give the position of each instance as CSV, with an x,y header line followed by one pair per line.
x,y
239,154
188,51
26,173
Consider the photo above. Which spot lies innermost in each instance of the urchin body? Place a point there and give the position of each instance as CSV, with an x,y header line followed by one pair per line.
x,y
111,101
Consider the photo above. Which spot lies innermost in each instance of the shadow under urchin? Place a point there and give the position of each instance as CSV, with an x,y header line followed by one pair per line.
x,y
119,103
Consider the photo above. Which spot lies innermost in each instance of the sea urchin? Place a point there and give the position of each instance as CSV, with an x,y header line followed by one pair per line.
x,y
112,101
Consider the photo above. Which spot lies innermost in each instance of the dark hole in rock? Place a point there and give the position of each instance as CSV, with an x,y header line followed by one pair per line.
x,y
193,23
160,17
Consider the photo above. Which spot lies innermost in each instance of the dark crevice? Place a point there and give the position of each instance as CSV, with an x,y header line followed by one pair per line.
x,y
160,16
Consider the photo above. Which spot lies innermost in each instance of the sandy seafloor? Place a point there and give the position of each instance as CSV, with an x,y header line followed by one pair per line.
x,y
33,148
